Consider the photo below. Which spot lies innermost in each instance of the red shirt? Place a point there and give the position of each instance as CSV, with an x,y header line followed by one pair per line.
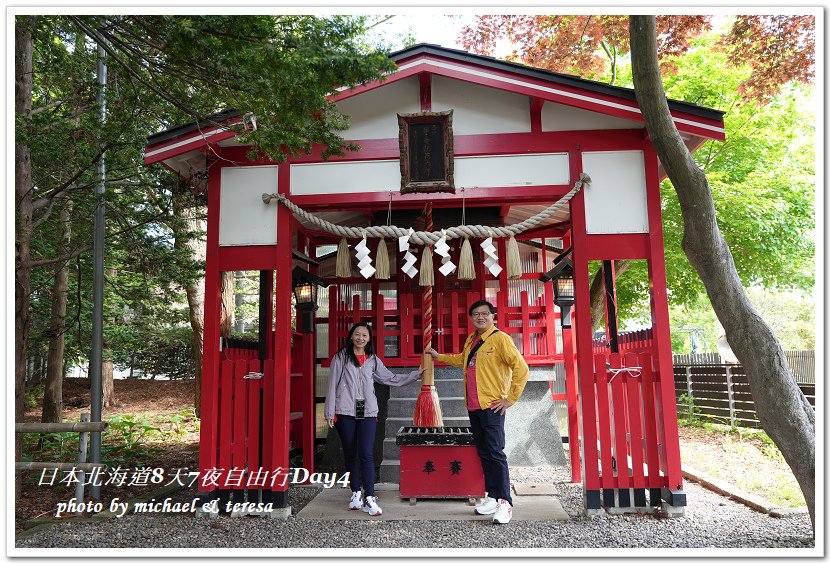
x,y
470,384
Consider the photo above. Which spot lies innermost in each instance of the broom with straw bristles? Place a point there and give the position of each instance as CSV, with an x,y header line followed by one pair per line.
x,y
427,406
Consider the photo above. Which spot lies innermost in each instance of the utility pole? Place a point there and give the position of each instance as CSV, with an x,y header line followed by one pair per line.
x,y
96,353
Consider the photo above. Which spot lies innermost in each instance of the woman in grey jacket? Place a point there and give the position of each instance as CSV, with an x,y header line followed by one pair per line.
x,y
352,408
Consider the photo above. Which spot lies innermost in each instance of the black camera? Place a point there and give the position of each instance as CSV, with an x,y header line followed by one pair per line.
x,y
359,408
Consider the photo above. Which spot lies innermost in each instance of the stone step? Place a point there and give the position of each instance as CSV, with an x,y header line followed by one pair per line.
x,y
391,450
444,387
390,471
405,406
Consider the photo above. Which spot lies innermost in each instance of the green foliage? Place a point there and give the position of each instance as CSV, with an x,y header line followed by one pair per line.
x,y
169,352
281,68
127,440
177,425
246,299
762,179
790,315
33,397
688,414
163,71
54,447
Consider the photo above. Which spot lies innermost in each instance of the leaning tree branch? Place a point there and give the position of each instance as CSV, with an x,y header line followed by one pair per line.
x,y
782,408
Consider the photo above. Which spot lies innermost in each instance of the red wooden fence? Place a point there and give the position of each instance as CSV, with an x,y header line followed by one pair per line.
x,y
531,324
244,422
625,436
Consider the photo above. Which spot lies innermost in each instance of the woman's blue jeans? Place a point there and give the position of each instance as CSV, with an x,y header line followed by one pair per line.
x,y
358,439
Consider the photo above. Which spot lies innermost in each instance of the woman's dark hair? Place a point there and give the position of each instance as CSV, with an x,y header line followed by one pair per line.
x,y
348,347
481,302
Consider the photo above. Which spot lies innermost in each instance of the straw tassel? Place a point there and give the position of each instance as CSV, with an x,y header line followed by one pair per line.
x,y
465,262
514,262
427,275
344,266
382,261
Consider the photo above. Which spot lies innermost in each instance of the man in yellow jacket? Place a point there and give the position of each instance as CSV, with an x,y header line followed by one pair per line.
x,y
495,375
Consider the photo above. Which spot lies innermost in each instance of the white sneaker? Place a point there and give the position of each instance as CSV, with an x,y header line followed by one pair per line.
x,y
370,505
504,512
356,501
487,505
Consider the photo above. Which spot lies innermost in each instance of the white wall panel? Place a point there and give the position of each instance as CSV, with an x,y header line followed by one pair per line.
x,y
615,202
374,114
558,117
511,170
473,171
243,218
479,109
346,177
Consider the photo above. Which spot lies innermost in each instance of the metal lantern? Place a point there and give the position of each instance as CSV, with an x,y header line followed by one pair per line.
x,y
562,275
305,286
305,294
563,286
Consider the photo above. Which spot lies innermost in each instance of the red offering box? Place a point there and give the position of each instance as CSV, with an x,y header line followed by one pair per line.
x,y
439,463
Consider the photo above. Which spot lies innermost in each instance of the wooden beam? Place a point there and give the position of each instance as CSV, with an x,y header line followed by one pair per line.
x,y
45,427
425,82
536,114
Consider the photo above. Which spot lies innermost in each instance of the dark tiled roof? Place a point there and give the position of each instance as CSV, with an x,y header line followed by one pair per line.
x,y
546,75
480,60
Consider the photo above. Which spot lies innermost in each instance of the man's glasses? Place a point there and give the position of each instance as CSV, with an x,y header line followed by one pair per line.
x,y
481,314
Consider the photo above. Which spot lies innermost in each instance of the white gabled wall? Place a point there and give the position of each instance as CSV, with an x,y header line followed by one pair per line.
x,y
559,117
346,177
373,114
615,202
478,109
511,170
243,218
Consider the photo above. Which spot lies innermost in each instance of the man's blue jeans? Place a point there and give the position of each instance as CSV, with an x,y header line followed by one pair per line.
x,y
487,427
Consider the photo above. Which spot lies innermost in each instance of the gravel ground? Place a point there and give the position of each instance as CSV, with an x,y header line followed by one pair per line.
x,y
711,521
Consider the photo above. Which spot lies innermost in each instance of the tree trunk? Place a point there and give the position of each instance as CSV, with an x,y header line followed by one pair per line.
x,y
598,293
228,305
36,375
53,393
107,385
23,222
188,235
784,412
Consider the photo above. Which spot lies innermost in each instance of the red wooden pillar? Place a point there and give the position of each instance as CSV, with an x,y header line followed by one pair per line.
x,y
664,373
550,321
210,352
573,403
379,331
305,366
309,378
307,394
280,401
569,360
334,318
525,333
582,331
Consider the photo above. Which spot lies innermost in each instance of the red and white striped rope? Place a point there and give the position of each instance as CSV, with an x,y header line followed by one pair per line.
x,y
427,320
